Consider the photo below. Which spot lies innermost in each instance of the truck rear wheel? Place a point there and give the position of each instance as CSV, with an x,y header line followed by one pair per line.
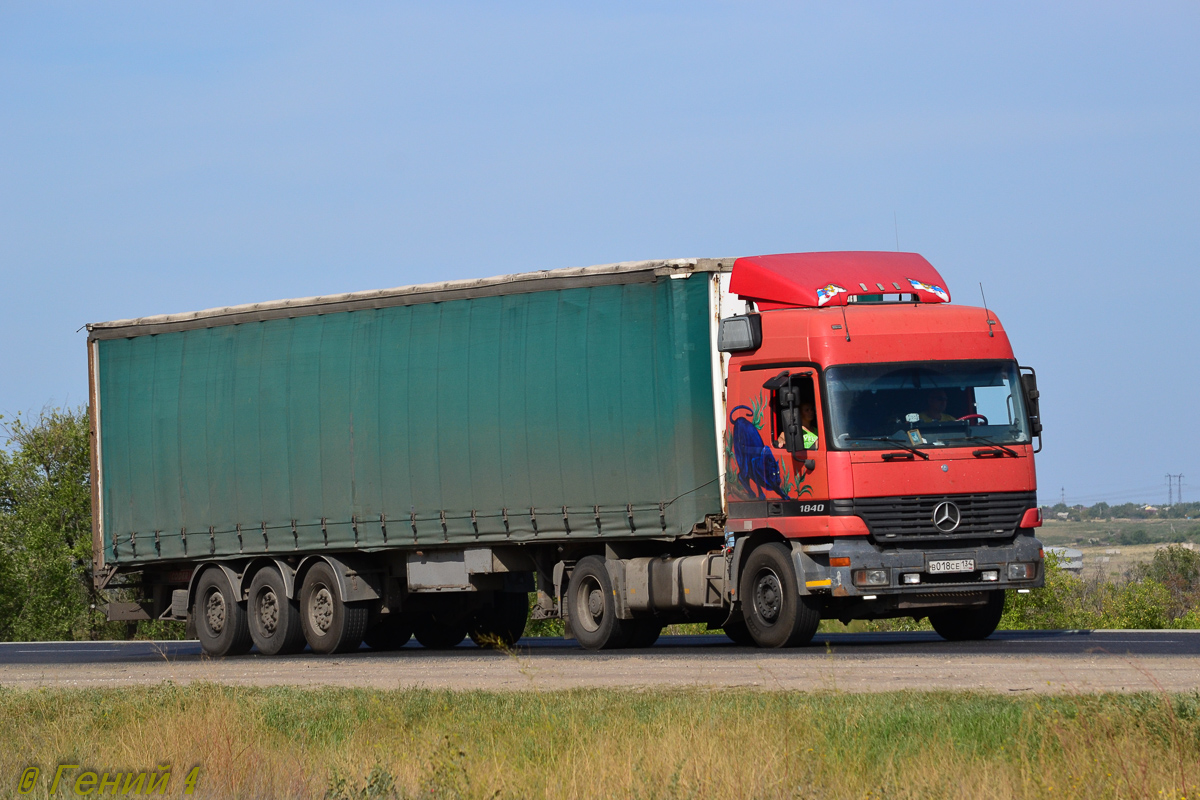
x,y
437,635
966,624
642,632
738,632
502,623
592,607
776,614
274,618
220,617
390,633
330,624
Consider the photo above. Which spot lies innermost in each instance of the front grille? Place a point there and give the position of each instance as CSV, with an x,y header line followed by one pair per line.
x,y
904,519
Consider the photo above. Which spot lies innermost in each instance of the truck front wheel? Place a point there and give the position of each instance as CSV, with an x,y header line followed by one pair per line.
x,y
330,624
220,617
967,624
592,608
775,612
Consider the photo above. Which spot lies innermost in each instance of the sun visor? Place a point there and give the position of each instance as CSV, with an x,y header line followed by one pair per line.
x,y
814,280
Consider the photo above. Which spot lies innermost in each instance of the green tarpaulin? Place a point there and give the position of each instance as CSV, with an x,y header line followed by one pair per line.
x,y
580,412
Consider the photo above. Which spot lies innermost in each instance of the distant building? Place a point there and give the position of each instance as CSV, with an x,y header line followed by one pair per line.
x,y
1069,558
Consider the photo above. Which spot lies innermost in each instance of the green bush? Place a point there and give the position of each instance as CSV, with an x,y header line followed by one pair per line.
x,y
1162,594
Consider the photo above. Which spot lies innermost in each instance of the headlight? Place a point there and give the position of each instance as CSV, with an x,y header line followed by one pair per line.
x,y
1021,572
871,577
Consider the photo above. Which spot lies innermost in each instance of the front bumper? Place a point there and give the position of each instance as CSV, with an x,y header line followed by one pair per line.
x,y
817,577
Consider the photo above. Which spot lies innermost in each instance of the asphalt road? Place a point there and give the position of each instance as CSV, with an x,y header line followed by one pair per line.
x,y
1008,643
1009,661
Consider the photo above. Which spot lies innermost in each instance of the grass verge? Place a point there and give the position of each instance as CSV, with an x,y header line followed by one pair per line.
x,y
349,743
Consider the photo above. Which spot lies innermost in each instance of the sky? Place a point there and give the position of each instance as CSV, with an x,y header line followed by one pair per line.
x,y
159,158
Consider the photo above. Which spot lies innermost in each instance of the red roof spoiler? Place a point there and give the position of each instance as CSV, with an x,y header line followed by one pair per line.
x,y
813,280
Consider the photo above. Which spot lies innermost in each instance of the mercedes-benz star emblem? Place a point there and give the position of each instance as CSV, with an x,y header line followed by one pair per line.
x,y
946,516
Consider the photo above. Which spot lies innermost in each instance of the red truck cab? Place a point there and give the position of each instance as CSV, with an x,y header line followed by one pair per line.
x,y
887,435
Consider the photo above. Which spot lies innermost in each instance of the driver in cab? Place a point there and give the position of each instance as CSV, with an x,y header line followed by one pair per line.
x,y
935,407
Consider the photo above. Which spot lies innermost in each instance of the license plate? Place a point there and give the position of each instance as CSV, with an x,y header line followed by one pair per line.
x,y
961,565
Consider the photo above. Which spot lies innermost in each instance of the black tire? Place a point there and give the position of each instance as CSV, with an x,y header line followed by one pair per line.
x,y
502,623
391,633
274,619
969,624
592,607
642,632
330,625
437,635
776,614
739,633
220,617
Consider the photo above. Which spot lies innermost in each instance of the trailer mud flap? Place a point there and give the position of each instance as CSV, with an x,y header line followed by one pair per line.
x,y
125,612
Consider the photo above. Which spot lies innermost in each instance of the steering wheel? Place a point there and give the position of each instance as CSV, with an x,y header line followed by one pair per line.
x,y
982,420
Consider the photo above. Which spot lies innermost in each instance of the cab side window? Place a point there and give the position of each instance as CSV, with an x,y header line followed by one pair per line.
x,y
800,418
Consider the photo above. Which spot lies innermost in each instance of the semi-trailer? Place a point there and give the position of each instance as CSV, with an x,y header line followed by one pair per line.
x,y
754,443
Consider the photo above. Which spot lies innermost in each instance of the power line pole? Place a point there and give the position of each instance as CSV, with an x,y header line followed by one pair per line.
x,y
1062,495
1170,486
1179,488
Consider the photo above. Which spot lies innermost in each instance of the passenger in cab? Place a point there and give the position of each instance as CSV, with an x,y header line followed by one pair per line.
x,y
808,427
935,407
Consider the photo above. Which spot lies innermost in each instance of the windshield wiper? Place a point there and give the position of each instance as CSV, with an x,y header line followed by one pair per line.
x,y
898,442
995,444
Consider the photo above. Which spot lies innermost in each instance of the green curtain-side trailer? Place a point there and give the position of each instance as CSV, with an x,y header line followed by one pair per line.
x,y
524,408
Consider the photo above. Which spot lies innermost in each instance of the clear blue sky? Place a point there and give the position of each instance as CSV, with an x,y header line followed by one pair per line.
x,y
169,157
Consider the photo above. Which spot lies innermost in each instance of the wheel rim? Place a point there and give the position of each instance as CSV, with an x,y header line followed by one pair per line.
x,y
320,610
589,604
268,612
768,596
214,611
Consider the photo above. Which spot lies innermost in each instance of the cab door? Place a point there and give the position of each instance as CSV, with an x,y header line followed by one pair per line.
x,y
768,471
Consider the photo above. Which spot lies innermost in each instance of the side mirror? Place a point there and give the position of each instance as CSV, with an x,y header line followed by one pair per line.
x,y
740,333
1030,390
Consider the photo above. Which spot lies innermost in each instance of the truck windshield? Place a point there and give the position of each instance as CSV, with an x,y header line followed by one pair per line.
x,y
926,404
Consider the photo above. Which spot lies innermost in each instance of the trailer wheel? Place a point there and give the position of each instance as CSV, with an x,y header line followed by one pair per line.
x,y
220,617
592,607
502,623
330,624
392,633
274,618
776,614
966,624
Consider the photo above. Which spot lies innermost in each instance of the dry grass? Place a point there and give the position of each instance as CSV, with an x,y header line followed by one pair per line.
x,y
343,743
